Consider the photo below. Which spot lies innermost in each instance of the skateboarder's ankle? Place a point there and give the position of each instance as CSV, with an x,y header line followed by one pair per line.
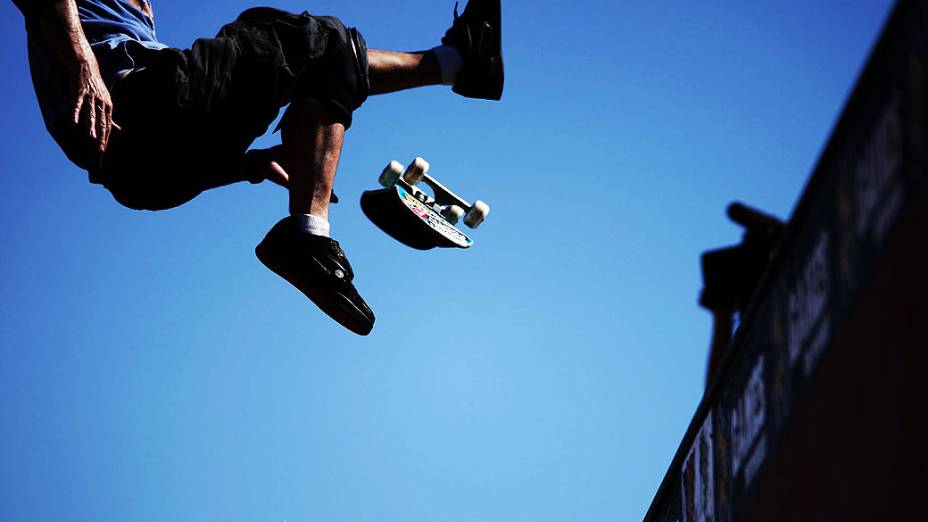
x,y
450,62
311,224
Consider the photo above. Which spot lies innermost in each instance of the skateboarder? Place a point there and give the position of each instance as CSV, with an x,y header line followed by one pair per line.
x,y
157,125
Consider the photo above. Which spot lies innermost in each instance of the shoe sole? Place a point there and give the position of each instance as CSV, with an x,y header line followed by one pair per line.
x,y
333,304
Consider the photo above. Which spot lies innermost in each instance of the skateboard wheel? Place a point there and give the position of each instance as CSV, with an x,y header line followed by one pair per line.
x,y
477,213
415,171
453,214
390,174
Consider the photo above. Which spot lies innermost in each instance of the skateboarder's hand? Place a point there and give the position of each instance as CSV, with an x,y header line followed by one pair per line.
x,y
265,164
91,105
93,108
274,172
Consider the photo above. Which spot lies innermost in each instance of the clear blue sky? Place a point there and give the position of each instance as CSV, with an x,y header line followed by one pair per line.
x,y
152,369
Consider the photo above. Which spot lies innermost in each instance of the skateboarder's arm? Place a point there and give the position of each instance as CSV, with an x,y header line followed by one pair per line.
x,y
61,29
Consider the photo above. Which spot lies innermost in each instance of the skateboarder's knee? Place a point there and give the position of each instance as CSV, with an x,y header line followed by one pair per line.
x,y
338,78
316,57
314,110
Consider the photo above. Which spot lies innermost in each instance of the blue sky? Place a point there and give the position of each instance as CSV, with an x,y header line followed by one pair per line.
x,y
152,369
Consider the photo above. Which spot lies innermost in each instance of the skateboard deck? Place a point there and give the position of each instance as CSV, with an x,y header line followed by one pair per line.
x,y
416,218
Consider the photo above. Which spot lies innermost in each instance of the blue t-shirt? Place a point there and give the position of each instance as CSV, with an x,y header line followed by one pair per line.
x,y
113,28
116,31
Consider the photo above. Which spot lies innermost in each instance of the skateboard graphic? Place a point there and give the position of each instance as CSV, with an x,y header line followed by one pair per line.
x,y
416,218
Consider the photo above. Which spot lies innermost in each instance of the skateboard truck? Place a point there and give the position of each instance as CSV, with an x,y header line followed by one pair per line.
x,y
416,218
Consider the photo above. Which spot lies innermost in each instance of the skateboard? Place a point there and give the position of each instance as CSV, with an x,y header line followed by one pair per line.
x,y
416,218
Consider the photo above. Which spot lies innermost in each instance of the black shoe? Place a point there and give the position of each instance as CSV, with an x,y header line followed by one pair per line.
x,y
317,267
477,35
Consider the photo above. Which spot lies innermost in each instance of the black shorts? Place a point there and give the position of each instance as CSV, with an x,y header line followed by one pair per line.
x,y
189,115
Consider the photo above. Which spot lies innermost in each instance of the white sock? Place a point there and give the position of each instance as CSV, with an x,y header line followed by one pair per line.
x,y
312,224
449,61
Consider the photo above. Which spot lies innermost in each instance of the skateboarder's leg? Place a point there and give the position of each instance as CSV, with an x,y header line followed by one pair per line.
x,y
322,98
470,58
391,71
312,145
298,248
312,138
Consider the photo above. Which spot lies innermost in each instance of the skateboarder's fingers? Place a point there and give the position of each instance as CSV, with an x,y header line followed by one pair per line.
x,y
101,128
105,123
91,119
84,114
78,105
112,129
276,174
